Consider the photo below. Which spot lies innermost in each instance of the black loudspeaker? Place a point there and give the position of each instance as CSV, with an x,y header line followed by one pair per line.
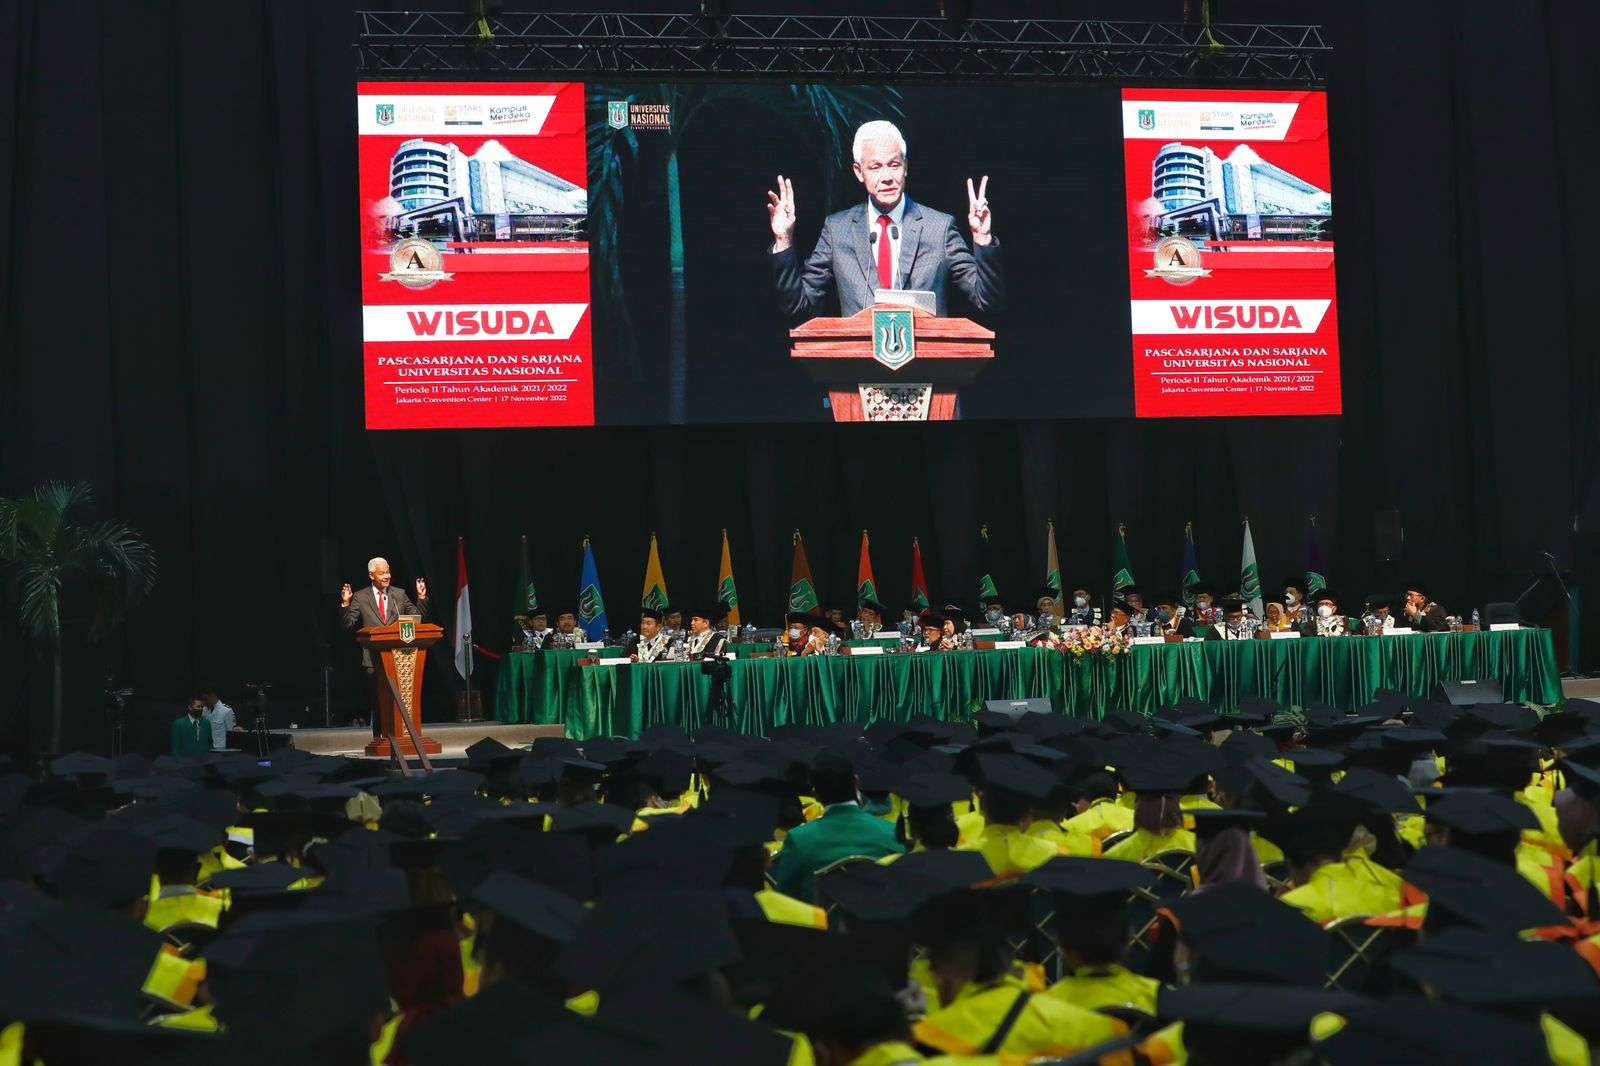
x,y
1463,693
1388,536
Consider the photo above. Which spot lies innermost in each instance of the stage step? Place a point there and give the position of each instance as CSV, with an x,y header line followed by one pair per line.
x,y
453,737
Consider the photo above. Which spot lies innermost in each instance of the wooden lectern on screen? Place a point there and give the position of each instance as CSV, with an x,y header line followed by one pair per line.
x,y
401,649
892,362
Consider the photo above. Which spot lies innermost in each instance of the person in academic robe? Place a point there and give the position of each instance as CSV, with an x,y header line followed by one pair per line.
x,y
1121,621
1133,596
1294,601
845,829
931,624
1379,617
704,642
869,617
1080,610
1278,620
1171,616
1422,614
1205,611
650,644
1330,622
1234,624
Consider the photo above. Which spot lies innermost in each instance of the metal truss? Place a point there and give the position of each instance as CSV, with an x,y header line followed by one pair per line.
x,y
861,47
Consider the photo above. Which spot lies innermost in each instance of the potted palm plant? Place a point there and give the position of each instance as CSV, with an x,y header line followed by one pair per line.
x,y
43,553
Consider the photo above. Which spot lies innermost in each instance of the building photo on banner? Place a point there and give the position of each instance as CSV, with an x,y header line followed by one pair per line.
x,y
723,252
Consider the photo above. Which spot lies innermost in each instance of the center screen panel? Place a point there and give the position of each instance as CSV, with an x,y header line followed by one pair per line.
x,y
559,254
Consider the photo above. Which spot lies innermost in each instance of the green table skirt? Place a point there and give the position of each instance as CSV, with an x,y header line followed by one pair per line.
x,y
550,688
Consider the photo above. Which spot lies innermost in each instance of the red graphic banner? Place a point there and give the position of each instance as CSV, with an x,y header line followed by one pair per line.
x,y
1230,253
474,255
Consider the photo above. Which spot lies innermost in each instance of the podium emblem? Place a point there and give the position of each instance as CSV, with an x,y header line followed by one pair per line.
x,y
408,632
894,342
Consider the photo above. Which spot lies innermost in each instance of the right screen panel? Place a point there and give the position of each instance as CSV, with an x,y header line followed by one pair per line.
x,y
1230,253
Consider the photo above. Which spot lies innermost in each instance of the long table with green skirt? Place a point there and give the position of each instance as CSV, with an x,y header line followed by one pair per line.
x,y
551,688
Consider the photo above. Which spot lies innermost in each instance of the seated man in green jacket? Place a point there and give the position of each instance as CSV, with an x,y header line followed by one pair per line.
x,y
843,830
191,733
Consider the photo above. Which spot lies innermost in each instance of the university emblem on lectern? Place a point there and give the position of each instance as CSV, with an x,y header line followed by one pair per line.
x,y
894,342
408,632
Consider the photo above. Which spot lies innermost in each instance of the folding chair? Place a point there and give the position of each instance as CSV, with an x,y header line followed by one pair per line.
x,y
1277,875
1114,839
1357,954
1175,879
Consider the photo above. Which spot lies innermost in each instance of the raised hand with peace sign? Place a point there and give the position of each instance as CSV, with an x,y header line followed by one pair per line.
x,y
979,218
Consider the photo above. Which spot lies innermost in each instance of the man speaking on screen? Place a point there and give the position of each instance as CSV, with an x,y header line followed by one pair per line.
x,y
892,242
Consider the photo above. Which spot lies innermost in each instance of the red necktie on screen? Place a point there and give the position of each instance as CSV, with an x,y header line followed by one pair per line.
x,y
383,606
885,255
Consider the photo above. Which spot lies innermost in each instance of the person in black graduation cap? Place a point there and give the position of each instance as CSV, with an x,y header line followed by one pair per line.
x,y
1235,623
1422,614
1171,614
704,642
1091,931
650,644
843,830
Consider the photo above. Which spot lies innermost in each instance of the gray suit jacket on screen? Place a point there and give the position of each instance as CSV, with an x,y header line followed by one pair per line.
x,y
933,254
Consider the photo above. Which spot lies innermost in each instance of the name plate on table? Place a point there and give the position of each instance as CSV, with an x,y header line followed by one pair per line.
x,y
1399,632
1284,634
1007,645
991,631
1501,627
620,660
877,650
1149,640
589,645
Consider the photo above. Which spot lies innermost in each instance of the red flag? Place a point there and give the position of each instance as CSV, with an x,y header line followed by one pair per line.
x,y
919,580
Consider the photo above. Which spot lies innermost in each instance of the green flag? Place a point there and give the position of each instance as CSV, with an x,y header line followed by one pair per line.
x,y
1052,569
1250,576
525,598
1121,568
986,588
802,590
1316,579
655,582
1191,566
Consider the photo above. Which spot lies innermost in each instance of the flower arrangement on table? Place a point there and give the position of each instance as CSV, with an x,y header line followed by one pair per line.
x,y
1083,641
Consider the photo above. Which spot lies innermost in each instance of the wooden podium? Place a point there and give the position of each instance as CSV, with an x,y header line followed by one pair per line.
x,y
402,650
891,362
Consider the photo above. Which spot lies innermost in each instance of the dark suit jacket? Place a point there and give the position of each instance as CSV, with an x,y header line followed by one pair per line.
x,y
363,612
933,254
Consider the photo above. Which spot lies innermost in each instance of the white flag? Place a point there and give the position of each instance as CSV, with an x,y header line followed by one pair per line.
x,y
1250,577
463,614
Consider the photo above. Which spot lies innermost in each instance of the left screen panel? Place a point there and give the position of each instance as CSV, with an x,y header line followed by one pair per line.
x,y
474,255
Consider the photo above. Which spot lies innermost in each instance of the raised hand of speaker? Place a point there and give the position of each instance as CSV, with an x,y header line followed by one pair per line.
x,y
346,594
781,212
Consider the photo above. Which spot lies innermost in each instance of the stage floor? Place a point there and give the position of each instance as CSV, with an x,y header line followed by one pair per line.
x,y
453,737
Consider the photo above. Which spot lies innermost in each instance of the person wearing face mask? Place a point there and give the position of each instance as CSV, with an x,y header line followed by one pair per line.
x,y
1205,611
1294,602
994,613
805,634
1138,613
1080,611
1170,615
1330,623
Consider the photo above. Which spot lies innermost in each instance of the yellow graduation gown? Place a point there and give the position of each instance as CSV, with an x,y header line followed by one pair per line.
x,y
786,910
1095,987
1143,845
1046,1026
1067,841
1010,851
1103,818
1355,887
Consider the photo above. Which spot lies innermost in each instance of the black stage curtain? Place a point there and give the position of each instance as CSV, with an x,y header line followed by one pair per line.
x,y
178,325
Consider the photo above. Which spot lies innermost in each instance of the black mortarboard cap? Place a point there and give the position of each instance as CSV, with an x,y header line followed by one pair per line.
x,y
82,763
933,790
1286,788
102,864
1015,774
680,935
529,906
1240,931
1243,745
651,613
1474,811
1080,877
876,893
1498,969
1208,823
1377,791
1252,1006
1468,889
670,1023
1403,1031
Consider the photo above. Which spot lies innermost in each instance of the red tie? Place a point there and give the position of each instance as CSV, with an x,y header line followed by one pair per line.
x,y
885,255
383,606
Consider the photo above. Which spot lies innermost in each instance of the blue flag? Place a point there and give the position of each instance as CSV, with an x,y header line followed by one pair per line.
x,y
591,604
1191,566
